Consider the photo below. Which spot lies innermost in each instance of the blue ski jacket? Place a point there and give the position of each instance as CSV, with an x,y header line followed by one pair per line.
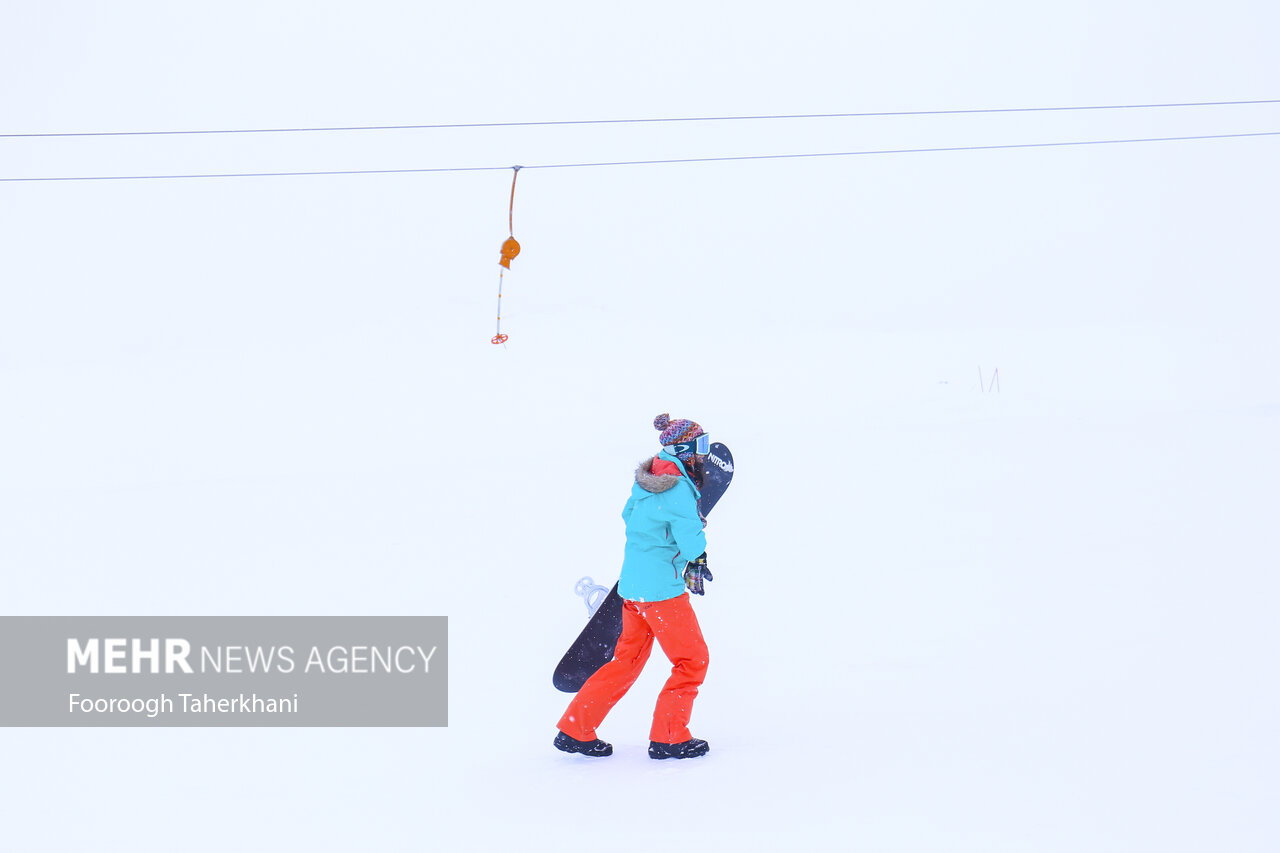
x,y
664,532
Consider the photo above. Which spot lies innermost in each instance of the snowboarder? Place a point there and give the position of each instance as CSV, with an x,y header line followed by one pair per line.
x,y
664,530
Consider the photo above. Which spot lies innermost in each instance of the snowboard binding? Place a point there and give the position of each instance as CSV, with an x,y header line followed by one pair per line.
x,y
591,592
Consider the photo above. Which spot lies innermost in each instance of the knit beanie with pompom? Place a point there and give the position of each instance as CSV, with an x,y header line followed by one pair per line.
x,y
674,432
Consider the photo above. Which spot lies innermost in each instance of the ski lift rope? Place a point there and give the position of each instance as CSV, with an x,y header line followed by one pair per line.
x,y
576,122
869,152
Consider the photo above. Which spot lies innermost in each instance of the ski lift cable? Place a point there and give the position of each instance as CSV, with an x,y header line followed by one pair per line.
x,y
653,162
580,122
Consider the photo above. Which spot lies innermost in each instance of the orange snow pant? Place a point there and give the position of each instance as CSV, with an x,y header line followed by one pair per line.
x,y
675,626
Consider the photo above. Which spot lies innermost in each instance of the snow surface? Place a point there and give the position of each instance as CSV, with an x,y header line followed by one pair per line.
x,y
943,619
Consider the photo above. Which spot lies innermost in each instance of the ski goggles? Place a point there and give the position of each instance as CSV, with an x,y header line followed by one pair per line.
x,y
700,445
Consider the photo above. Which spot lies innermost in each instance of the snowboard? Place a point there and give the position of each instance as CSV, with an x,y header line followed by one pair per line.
x,y
594,646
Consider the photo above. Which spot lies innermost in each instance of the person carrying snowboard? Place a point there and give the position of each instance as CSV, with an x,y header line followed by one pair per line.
x,y
664,560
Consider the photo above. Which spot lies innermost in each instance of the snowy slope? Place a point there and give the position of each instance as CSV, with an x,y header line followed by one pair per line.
x,y
970,622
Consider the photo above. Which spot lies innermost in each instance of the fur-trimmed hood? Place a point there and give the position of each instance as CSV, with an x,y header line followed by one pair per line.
x,y
651,482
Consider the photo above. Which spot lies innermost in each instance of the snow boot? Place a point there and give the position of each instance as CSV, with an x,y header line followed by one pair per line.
x,y
692,748
593,748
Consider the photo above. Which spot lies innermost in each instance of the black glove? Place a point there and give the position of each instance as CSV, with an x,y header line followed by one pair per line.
x,y
696,573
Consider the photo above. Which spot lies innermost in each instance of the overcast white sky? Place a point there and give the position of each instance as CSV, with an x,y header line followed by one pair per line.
x,y
1166,234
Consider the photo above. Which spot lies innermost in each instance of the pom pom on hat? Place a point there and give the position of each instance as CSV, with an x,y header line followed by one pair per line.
x,y
676,431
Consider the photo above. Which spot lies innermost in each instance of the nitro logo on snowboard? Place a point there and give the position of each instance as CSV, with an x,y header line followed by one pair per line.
x,y
727,467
